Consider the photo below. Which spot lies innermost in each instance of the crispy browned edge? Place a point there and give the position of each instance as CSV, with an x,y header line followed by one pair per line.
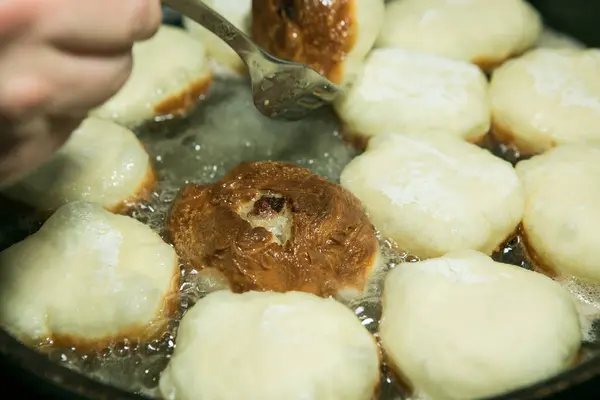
x,y
158,328
143,192
488,64
183,101
508,138
360,142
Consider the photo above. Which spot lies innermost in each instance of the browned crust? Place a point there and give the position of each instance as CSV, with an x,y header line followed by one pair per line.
x,y
333,244
356,140
143,192
533,257
399,378
183,101
136,334
377,387
530,256
241,69
316,33
476,140
579,357
509,139
483,141
361,142
514,234
489,64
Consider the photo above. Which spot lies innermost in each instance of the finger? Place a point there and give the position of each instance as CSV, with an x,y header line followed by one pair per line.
x,y
91,26
13,16
26,145
69,85
23,96
83,82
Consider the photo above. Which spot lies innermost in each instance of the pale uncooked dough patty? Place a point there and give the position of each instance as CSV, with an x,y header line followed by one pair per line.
x,y
406,91
271,346
465,327
547,98
88,278
484,32
102,162
562,213
436,193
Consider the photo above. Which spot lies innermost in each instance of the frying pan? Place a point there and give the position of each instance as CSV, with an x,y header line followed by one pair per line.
x,y
24,371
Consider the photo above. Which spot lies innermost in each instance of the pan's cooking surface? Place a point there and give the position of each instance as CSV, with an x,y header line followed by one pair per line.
x,y
224,130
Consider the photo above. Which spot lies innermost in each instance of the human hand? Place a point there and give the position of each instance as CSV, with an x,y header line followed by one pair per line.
x,y
59,59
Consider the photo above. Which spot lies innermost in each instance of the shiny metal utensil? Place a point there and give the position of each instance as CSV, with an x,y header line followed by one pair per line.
x,y
280,89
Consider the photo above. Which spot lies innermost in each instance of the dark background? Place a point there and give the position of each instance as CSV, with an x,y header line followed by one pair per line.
x,y
578,18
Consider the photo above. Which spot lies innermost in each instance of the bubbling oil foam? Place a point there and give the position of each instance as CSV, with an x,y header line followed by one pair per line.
x,y
587,300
